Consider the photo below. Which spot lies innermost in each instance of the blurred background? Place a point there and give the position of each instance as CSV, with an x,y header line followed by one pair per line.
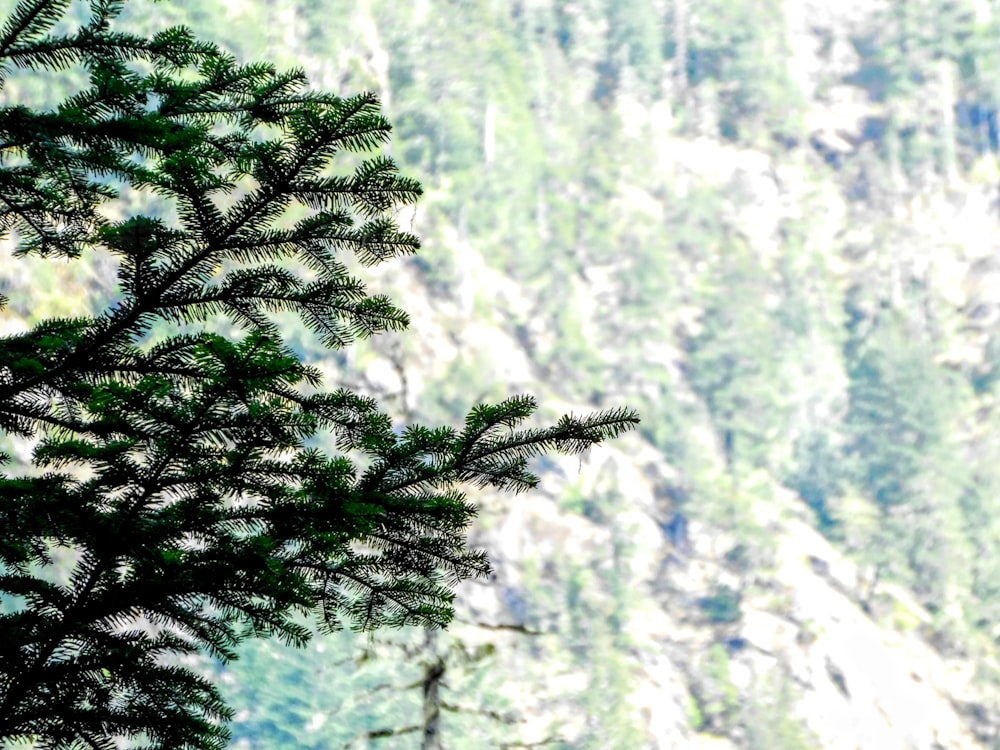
x,y
771,226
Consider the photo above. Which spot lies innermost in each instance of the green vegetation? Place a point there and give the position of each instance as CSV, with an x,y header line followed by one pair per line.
x,y
717,698
722,606
184,506
770,720
771,235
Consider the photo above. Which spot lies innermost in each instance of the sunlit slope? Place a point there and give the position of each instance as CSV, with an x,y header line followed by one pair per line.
x,y
772,228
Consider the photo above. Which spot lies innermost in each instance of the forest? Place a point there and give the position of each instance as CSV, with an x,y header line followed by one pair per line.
x,y
772,227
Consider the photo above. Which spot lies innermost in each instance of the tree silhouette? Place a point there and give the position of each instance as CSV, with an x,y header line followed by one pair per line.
x,y
178,469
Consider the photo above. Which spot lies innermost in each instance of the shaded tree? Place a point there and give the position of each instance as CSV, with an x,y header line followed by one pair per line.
x,y
901,409
735,359
735,53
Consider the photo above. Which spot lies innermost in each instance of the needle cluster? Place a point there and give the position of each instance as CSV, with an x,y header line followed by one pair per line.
x,y
175,467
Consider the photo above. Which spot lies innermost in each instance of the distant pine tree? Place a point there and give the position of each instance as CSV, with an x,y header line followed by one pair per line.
x,y
173,468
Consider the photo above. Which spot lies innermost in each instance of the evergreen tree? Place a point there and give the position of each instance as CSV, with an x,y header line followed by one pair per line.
x,y
735,50
178,470
901,409
908,65
734,362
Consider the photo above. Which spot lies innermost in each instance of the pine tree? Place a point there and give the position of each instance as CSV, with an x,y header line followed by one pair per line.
x,y
177,468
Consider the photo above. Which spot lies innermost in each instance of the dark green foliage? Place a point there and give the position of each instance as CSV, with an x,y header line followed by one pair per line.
x,y
721,607
634,41
716,699
177,471
901,411
818,478
906,37
737,50
900,403
732,367
910,46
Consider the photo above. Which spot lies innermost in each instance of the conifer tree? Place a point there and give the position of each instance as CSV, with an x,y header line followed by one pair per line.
x,y
176,468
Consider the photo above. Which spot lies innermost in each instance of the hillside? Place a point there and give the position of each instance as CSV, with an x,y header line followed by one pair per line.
x,y
769,225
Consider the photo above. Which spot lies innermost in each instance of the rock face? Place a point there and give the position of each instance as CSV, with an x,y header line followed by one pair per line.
x,y
863,685
799,640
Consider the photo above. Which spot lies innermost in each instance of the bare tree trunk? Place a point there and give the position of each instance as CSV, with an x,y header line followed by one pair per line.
x,y
433,674
949,151
489,133
681,49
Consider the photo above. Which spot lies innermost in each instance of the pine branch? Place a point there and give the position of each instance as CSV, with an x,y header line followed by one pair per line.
x,y
29,19
177,466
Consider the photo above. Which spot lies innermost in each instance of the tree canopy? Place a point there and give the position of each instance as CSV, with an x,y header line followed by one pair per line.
x,y
194,485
